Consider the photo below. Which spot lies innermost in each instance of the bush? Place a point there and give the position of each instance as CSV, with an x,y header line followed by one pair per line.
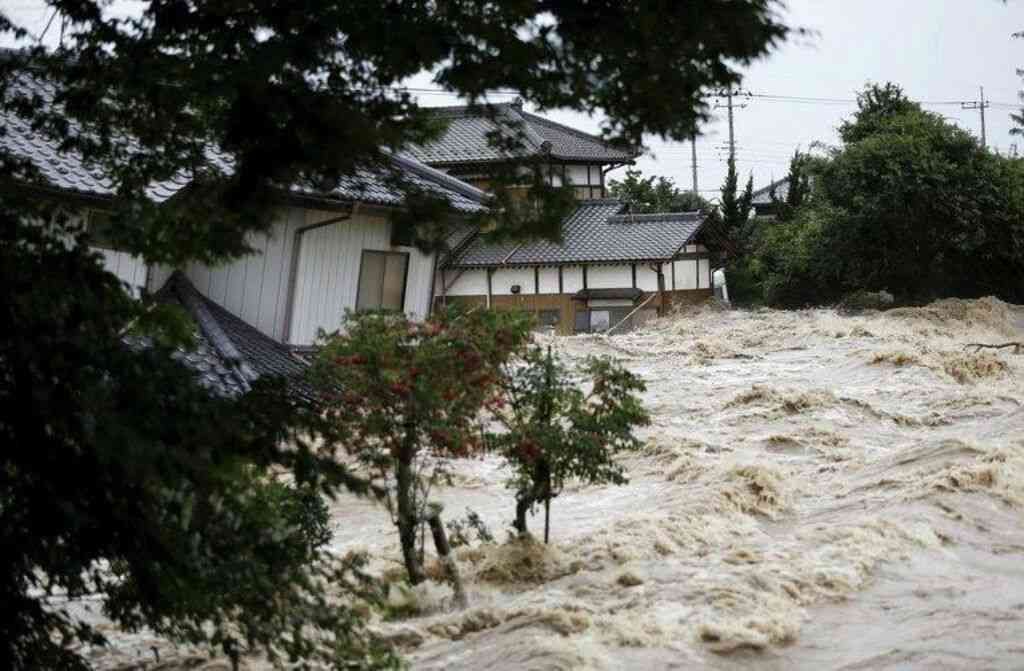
x,y
911,204
554,431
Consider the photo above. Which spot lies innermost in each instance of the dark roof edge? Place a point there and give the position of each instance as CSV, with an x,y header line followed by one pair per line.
x,y
212,329
766,189
554,264
435,175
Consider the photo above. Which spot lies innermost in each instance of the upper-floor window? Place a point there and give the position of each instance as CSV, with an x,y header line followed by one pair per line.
x,y
382,279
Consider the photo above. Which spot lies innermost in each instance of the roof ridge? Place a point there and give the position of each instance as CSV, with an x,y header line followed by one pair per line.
x,y
196,304
436,175
654,216
518,117
766,189
575,131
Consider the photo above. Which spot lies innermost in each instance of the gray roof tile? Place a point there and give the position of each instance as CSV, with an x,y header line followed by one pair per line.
x,y
230,354
596,232
68,171
465,140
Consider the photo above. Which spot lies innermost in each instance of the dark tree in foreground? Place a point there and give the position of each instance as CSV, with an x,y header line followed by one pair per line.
x,y
113,457
121,476
554,431
654,194
400,395
286,94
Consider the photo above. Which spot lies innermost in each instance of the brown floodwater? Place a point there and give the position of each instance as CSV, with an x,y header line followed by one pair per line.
x,y
816,491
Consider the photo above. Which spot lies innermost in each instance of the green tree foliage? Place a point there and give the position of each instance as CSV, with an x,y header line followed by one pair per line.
x,y
399,393
121,476
914,206
292,95
555,432
876,105
798,188
654,194
735,206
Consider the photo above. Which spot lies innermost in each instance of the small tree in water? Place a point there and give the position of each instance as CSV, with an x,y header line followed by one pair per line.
x,y
399,392
554,431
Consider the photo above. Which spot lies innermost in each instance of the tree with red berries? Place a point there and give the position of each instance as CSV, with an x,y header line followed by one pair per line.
x,y
552,430
400,393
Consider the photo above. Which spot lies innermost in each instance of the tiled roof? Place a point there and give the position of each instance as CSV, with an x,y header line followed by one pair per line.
x,y
596,232
763,195
67,171
465,140
230,354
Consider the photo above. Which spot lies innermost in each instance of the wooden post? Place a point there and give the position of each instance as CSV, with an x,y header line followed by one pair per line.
x,y
444,552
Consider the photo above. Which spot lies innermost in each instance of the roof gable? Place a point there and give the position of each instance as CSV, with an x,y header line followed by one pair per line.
x,y
466,138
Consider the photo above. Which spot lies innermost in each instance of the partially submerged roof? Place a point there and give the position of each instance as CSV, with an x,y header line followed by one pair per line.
x,y
598,231
68,172
230,354
466,138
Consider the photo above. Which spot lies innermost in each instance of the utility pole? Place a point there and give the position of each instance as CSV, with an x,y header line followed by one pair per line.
x,y
693,161
732,128
979,105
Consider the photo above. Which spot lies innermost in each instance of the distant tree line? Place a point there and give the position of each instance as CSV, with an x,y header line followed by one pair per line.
x,y
908,203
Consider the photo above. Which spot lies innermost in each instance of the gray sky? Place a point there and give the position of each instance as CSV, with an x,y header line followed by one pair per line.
x,y
938,50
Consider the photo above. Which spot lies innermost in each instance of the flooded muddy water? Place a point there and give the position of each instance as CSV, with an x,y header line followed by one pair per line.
x,y
816,491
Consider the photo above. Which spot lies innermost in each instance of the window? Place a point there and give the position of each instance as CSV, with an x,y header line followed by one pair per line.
x,y
382,280
548,319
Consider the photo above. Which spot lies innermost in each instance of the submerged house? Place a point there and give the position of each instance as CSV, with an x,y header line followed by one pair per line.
x,y
612,269
336,249
326,251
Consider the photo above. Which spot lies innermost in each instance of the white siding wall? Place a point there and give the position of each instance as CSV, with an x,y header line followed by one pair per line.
x,y
549,280
327,276
158,276
609,277
572,279
128,268
255,287
504,279
469,283
646,279
685,274
577,174
417,288
705,274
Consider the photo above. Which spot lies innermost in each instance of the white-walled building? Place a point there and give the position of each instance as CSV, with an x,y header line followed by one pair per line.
x,y
611,267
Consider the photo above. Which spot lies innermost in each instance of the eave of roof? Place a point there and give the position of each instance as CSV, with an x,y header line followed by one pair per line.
x,y
67,174
597,232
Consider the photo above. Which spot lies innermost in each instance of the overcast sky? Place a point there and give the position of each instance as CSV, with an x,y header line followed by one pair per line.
x,y
940,51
